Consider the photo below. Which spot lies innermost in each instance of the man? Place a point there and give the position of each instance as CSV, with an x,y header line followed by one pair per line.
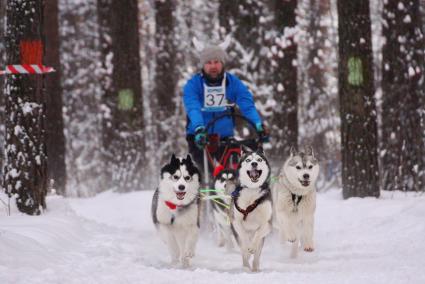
x,y
209,94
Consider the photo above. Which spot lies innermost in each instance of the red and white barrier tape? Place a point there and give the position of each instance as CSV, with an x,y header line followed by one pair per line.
x,y
27,69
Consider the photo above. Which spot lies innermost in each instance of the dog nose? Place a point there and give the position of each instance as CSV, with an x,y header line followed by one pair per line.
x,y
254,164
306,176
181,187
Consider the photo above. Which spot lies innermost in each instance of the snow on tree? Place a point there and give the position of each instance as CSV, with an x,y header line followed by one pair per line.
x,y
122,133
82,108
318,104
2,63
283,53
403,97
25,171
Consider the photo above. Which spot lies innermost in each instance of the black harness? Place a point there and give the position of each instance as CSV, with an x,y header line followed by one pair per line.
x,y
296,199
235,196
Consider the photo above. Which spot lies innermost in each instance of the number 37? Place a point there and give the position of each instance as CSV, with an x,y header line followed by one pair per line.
x,y
211,99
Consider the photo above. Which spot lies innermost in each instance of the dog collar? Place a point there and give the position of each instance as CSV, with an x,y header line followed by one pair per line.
x,y
174,206
171,205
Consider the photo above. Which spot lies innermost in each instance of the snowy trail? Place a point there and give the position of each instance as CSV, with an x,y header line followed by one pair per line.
x,y
110,239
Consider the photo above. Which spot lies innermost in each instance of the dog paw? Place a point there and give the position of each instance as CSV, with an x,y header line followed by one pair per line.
x,y
290,237
186,262
309,249
189,254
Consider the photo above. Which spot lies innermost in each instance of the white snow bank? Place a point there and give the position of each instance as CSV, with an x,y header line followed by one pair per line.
x,y
110,239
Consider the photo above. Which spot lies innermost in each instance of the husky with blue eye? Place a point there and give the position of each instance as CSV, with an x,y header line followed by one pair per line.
x,y
294,199
251,210
176,208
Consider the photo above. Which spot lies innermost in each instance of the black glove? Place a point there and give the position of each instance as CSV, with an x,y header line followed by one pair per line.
x,y
263,133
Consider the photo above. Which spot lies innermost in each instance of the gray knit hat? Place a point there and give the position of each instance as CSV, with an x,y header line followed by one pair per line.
x,y
213,52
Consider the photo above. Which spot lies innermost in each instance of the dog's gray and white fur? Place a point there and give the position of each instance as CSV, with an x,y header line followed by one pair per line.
x,y
251,210
224,184
294,199
176,208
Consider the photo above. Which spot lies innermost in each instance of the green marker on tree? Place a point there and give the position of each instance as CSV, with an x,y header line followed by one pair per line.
x,y
125,99
355,71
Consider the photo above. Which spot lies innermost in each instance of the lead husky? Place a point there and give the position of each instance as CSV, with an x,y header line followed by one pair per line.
x,y
176,207
294,199
251,210
224,184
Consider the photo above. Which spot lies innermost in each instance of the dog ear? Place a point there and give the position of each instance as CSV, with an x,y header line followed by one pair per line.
x,y
260,150
174,161
309,151
245,149
293,151
189,159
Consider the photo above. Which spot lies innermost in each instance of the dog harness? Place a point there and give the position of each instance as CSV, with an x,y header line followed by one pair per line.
x,y
296,199
251,207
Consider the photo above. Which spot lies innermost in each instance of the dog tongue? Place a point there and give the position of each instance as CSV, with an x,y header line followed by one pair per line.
x,y
254,174
180,195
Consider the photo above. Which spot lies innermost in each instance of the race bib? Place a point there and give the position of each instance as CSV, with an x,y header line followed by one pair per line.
x,y
215,97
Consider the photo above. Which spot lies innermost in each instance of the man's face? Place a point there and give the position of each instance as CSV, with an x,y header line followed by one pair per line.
x,y
213,68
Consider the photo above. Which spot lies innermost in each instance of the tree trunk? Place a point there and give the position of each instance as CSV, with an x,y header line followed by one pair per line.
x,y
403,97
55,138
82,98
284,124
2,64
123,123
25,171
165,70
360,175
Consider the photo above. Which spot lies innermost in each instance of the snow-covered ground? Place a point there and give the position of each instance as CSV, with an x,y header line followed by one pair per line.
x,y
110,239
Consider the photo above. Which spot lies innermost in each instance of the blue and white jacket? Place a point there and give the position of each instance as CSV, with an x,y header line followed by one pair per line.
x,y
236,92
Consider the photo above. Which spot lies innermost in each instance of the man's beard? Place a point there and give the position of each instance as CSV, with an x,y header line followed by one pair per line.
x,y
213,81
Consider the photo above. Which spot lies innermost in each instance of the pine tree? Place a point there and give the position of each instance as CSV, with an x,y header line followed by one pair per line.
x,y
403,99
284,124
55,138
2,61
25,171
318,99
82,97
123,139
360,174
165,88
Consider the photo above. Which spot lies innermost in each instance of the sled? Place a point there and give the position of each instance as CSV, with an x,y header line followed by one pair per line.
x,y
230,147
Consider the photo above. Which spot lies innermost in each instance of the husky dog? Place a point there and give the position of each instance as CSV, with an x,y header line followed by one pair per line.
x,y
294,199
251,210
176,207
224,185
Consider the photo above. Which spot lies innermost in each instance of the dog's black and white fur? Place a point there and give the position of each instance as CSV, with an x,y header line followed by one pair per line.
x,y
176,208
294,199
224,184
251,210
